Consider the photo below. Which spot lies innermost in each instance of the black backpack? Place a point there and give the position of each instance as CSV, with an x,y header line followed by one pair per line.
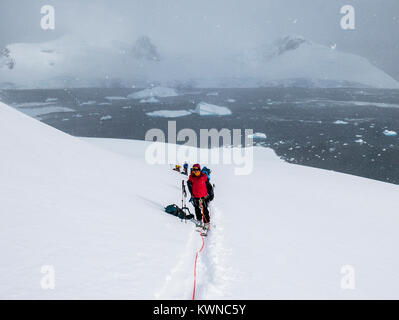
x,y
174,210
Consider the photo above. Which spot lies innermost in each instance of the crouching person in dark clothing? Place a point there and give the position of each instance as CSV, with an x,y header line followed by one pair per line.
x,y
201,192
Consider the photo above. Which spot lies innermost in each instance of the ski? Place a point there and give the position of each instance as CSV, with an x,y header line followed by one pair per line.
x,y
203,229
213,226
203,232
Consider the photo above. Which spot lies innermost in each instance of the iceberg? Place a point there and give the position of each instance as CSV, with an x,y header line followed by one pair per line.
x,y
340,122
115,98
207,109
169,113
159,92
88,103
390,133
41,111
149,100
257,135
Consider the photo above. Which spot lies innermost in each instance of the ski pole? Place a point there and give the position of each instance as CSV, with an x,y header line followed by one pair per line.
x,y
184,195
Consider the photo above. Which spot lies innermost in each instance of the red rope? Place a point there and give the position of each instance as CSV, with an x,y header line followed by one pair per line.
x,y
195,265
202,247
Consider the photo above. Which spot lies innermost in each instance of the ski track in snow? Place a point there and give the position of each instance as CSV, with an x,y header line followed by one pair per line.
x,y
177,284
213,275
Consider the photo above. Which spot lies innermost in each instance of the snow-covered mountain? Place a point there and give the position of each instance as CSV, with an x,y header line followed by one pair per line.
x,y
91,210
287,61
6,61
144,49
295,61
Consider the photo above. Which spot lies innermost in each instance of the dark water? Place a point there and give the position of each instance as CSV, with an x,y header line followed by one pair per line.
x,y
299,123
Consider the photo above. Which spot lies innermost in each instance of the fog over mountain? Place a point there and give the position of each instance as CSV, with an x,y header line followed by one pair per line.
x,y
183,41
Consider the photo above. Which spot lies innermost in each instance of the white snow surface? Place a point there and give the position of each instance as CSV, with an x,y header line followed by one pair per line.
x,y
93,209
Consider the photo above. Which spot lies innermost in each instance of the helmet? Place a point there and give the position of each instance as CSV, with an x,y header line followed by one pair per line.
x,y
196,169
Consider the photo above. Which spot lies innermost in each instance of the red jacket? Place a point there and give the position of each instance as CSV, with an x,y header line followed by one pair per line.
x,y
197,185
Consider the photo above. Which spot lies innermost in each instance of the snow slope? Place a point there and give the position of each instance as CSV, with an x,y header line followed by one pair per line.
x,y
88,212
92,208
285,232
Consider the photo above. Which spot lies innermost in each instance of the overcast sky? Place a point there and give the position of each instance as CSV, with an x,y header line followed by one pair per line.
x,y
218,24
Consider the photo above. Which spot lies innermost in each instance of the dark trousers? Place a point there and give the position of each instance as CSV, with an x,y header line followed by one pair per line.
x,y
198,210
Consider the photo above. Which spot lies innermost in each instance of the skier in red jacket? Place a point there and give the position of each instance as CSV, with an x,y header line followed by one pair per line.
x,y
201,191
